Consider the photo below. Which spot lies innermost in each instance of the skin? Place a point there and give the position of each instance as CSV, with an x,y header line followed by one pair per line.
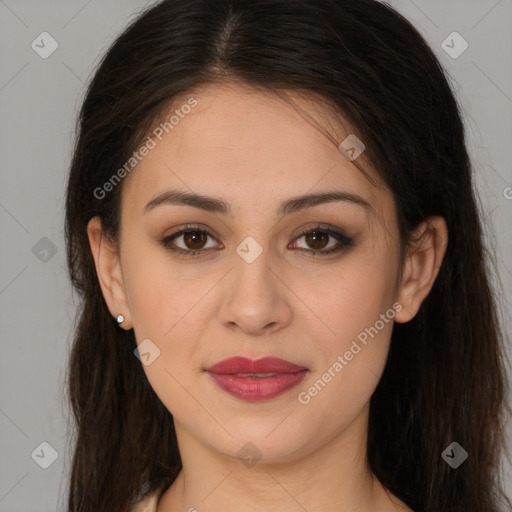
x,y
254,151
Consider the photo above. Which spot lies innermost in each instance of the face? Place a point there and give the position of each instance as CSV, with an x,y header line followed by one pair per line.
x,y
204,285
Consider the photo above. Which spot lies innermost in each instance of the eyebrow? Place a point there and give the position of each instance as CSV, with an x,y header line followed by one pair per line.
x,y
215,205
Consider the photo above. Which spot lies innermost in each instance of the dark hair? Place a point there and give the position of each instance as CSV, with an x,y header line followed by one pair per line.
x,y
445,375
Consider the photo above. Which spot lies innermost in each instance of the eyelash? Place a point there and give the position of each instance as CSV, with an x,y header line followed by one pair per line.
x,y
343,240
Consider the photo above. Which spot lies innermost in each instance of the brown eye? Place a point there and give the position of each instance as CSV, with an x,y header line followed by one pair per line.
x,y
194,239
188,241
317,239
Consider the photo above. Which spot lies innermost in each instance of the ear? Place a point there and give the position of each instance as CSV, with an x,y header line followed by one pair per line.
x,y
423,260
108,269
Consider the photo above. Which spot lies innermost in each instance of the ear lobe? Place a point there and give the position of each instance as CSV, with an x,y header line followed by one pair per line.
x,y
424,257
108,270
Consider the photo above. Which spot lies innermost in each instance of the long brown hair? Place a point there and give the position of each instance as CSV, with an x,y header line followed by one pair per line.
x,y
444,379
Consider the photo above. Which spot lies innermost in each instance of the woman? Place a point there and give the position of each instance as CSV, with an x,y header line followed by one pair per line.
x,y
271,221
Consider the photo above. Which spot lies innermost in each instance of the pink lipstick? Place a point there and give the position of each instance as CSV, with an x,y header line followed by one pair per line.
x,y
258,379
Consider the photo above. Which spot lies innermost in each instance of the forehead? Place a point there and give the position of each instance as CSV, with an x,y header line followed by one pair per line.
x,y
248,146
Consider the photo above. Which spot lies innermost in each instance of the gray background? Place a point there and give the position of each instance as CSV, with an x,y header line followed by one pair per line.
x,y
39,99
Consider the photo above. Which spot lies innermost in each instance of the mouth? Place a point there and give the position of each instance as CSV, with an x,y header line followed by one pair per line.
x,y
256,380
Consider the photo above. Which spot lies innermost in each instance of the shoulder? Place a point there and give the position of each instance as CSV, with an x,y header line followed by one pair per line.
x,y
147,504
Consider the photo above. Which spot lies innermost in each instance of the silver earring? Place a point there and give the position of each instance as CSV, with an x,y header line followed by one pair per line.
x,y
120,319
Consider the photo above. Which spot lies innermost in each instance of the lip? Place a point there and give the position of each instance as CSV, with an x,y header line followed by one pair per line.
x,y
288,375
239,364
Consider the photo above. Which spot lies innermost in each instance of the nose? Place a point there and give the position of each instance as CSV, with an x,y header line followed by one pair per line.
x,y
257,301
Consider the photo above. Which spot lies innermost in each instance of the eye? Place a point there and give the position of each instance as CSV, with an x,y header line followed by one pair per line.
x,y
318,236
193,237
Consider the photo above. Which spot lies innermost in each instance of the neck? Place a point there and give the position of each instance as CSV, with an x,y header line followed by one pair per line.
x,y
333,476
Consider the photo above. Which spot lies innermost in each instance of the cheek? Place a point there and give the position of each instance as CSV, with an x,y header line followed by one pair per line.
x,y
355,319
349,364
341,302
166,308
162,295
148,298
